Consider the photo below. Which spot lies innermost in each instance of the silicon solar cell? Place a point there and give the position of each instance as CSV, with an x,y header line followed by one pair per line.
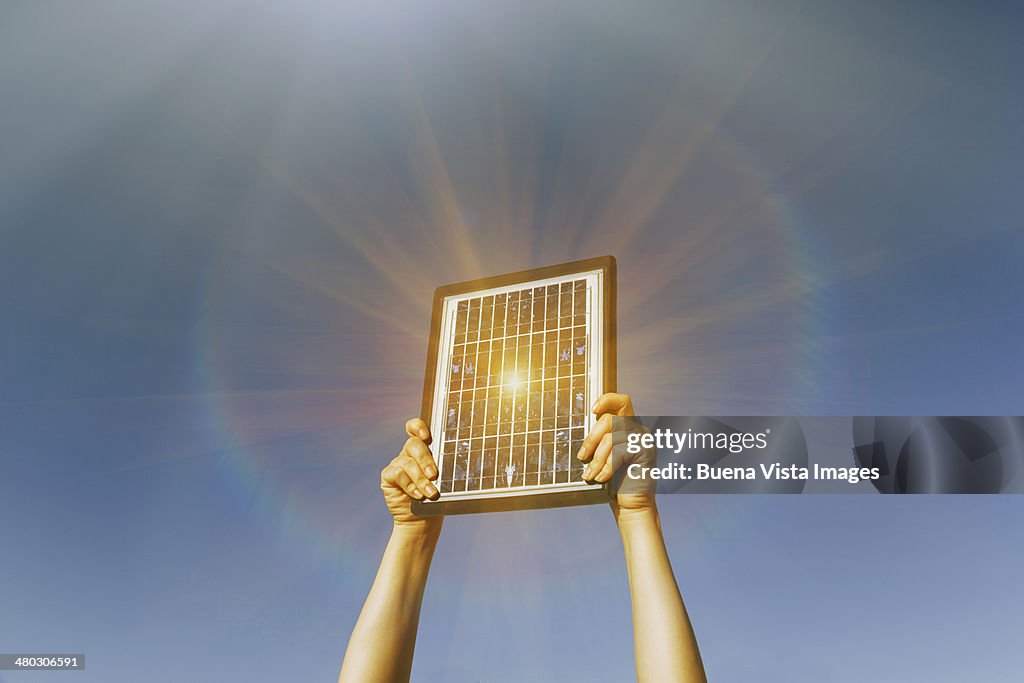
x,y
516,363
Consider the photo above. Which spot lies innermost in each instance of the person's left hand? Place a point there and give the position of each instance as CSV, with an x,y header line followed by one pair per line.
x,y
598,451
411,475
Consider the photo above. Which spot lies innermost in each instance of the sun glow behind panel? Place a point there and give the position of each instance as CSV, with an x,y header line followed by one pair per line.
x,y
517,370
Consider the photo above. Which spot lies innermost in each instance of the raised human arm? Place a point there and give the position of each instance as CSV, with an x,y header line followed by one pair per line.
x,y
382,642
664,643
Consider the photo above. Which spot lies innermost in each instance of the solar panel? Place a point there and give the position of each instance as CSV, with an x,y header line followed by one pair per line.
x,y
513,365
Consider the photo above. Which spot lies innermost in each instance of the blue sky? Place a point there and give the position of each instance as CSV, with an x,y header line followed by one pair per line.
x,y
220,227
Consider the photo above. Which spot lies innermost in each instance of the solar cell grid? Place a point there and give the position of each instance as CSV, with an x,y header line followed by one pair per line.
x,y
517,389
514,363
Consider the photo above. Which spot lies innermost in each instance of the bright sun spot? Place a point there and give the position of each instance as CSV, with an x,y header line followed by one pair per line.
x,y
513,381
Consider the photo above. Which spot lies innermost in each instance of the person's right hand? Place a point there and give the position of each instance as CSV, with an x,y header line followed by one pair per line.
x,y
411,475
603,457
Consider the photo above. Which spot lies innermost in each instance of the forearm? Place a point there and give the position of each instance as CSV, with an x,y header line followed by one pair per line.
x,y
382,642
665,646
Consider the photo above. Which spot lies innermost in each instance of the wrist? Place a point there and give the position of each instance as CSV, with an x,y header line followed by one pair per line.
x,y
631,521
420,531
